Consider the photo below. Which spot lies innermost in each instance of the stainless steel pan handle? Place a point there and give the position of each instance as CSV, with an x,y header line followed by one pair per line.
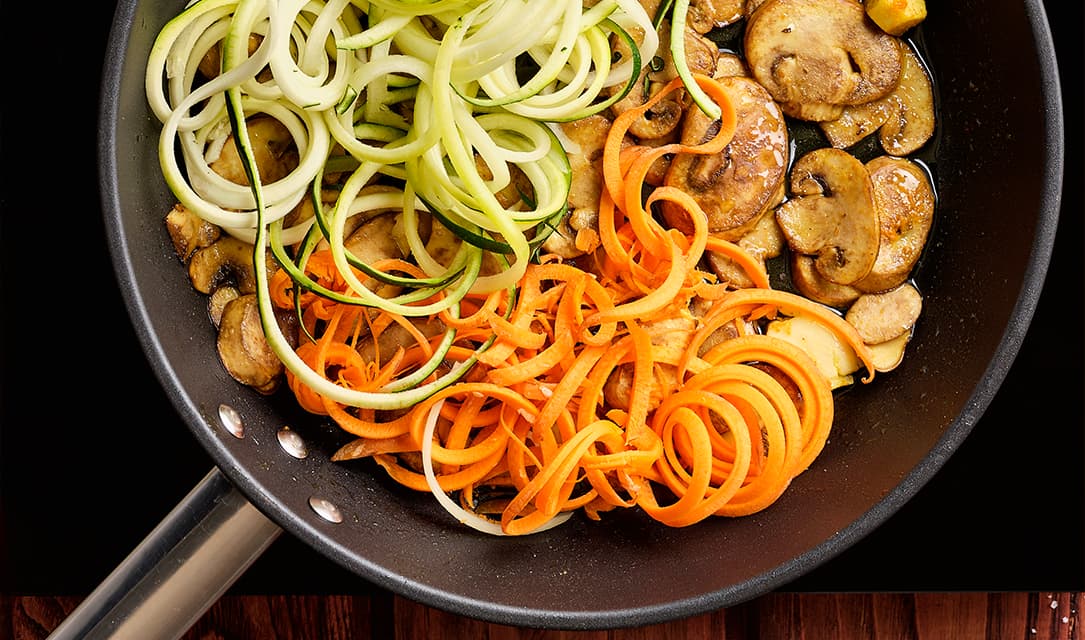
x,y
178,571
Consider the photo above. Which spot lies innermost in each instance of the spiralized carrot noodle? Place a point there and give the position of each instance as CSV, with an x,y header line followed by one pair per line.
x,y
712,421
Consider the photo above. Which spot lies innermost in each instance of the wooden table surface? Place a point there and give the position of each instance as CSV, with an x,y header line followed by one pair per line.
x,y
784,616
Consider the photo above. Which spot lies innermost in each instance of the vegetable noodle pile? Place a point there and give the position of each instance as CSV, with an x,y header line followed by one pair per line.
x,y
400,173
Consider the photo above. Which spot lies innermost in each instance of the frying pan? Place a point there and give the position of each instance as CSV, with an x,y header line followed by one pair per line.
x,y
981,279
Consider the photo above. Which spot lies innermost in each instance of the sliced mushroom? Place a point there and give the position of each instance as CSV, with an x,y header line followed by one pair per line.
x,y
374,240
666,115
217,301
905,201
227,260
701,54
706,15
670,335
816,56
586,138
511,194
763,242
730,64
577,234
272,145
856,123
733,187
442,244
832,214
699,307
396,336
904,119
811,284
211,63
657,173
244,350
618,389
753,5
911,118
880,317
189,232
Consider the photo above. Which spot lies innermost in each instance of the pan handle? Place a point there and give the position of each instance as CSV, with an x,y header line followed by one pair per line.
x,y
178,571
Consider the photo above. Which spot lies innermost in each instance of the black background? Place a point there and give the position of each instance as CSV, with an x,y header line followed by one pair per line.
x,y
92,455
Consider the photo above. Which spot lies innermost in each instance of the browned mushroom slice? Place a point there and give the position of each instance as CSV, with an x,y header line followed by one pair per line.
x,y
753,5
211,63
733,187
577,234
856,123
811,284
671,335
227,260
396,336
701,55
217,301
706,15
243,349
905,201
189,232
272,145
880,317
375,239
666,115
764,241
816,56
904,118
585,138
730,64
911,118
832,214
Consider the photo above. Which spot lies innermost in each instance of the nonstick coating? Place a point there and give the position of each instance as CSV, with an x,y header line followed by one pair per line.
x,y
999,175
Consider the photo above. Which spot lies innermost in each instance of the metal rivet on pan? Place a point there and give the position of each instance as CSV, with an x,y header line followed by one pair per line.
x,y
292,443
231,419
325,509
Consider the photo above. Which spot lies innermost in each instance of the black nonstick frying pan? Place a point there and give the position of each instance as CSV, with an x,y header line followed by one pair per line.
x,y
999,99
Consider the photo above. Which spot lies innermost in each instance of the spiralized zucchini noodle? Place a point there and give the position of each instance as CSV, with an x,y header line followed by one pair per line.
x,y
449,113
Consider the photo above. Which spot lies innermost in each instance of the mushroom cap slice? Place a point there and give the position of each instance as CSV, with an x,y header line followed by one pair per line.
x,y
811,284
881,317
832,214
905,201
910,122
730,64
816,56
706,15
762,242
737,185
226,260
273,148
665,116
189,232
243,349
904,119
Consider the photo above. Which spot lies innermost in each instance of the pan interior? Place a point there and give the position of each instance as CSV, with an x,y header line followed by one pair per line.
x,y
981,279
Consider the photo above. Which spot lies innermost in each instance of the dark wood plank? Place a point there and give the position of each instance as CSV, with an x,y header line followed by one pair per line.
x,y
790,616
